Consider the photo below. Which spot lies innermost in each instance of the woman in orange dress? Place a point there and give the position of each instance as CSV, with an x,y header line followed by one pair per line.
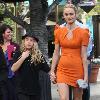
x,y
72,63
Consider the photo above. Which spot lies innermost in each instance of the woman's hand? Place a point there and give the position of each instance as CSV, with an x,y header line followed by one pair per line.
x,y
53,77
86,79
25,54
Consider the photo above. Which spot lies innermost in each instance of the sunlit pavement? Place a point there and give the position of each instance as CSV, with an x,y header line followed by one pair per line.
x,y
95,90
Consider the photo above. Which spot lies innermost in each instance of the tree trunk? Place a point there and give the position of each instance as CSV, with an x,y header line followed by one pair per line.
x,y
38,27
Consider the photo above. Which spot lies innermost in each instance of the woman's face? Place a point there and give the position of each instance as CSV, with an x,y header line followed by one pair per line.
x,y
7,34
29,42
69,15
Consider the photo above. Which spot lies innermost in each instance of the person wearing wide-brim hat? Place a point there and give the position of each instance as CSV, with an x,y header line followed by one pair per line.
x,y
30,35
28,63
44,78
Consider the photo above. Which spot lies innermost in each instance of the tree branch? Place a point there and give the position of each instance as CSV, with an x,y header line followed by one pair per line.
x,y
15,19
3,2
53,5
18,20
44,5
44,10
26,15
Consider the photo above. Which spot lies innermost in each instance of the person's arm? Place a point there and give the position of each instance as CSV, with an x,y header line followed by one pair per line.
x,y
55,59
19,62
56,54
17,65
84,60
85,41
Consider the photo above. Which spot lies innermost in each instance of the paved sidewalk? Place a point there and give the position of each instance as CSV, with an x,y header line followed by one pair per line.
x,y
94,92
95,89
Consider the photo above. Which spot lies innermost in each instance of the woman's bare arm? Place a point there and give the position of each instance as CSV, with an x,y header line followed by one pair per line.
x,y
84,59
55,57
18,64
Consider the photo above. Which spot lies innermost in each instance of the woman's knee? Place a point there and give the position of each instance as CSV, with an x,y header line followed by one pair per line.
x,y
63,96
63,90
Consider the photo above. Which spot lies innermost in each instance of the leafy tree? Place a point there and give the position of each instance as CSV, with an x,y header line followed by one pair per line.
x,y
38,12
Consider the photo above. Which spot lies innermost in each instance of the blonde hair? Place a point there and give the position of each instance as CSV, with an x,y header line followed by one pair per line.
x,y
70,6
36,55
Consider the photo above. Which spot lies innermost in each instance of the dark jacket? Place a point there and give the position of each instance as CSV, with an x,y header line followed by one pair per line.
x,y
8,56
3,67
27,76
16,45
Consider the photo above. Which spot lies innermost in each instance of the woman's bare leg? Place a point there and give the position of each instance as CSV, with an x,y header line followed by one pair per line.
x,y
63,90
77,93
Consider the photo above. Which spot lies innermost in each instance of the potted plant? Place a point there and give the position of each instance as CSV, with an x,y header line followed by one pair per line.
x,y
95,65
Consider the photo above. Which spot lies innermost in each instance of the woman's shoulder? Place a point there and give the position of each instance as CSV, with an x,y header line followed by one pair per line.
x,y
59,30
59,27
82,31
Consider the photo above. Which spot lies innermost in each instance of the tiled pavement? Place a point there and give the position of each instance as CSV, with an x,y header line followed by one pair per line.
x,y
95,89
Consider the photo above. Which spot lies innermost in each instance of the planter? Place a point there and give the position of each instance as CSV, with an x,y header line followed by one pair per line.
x,y
94,73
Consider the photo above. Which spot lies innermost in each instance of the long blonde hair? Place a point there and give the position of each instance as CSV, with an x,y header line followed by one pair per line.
x,y
36,55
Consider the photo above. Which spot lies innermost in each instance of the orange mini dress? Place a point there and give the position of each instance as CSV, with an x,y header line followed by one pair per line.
x,y
70,66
